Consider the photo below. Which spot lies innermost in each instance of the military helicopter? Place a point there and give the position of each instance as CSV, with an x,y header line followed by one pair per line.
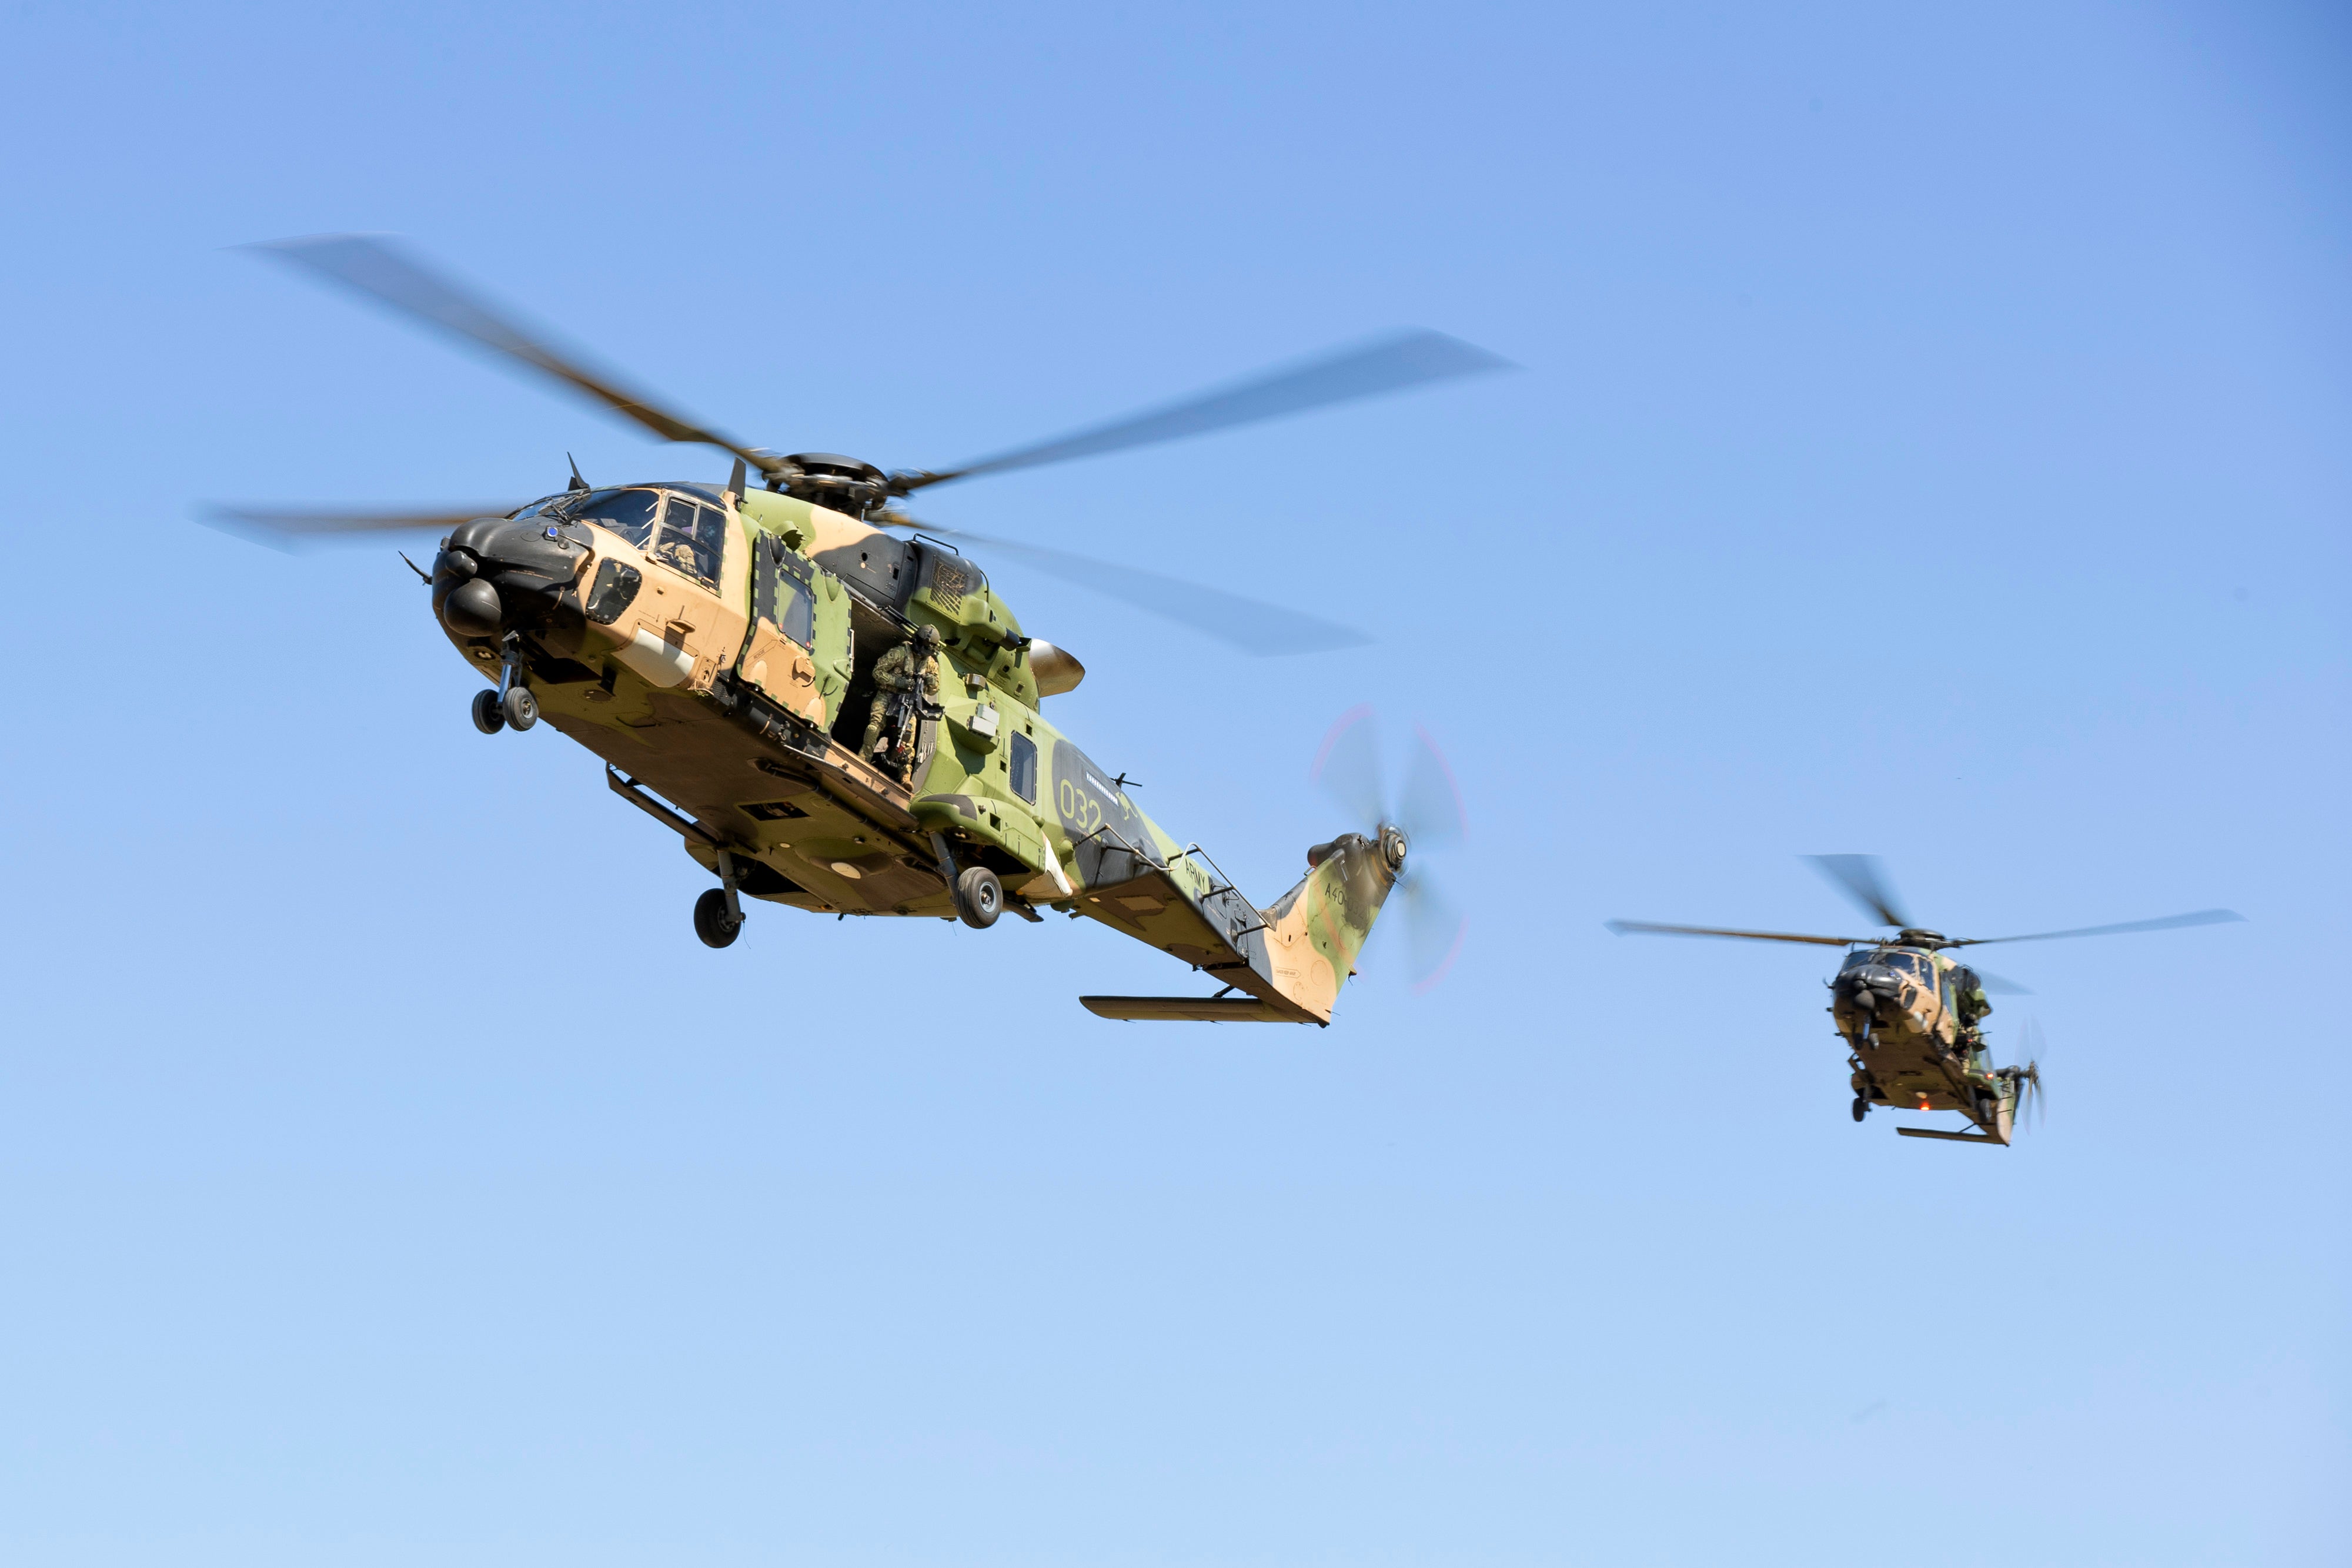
x,y
1911,1015
727,650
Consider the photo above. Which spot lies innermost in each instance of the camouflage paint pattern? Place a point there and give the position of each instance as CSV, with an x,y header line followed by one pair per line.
x,y
685,692
1910,1052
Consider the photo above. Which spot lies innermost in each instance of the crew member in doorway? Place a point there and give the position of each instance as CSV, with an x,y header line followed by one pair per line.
x,y
904,676
1972,1004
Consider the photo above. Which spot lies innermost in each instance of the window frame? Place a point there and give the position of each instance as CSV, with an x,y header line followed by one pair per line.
x,y
692,538
582,513
1021,749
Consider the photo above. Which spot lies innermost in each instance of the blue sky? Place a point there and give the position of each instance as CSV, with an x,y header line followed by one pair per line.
x,y
1931,442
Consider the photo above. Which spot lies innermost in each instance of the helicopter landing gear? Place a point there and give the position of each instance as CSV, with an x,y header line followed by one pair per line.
x,y
1861,1107
979,897
710,922
511,707
487,716
718,913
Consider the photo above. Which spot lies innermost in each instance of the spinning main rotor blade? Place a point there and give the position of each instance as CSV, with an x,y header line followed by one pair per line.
x,y
1256,628
1389,364
287,525
373,267
1646,928
2170,922
1862,879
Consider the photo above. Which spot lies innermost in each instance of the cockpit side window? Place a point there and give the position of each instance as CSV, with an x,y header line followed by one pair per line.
x,y
693,538
628,513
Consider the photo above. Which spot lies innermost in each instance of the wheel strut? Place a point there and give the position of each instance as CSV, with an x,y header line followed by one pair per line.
x,y
513,702
727,885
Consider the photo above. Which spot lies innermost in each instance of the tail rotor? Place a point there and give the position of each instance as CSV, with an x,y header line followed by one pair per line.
x,y
2026,1079
1425,815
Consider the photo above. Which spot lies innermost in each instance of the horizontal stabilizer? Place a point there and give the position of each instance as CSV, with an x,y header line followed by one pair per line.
x,y
1187,1009
1951,1137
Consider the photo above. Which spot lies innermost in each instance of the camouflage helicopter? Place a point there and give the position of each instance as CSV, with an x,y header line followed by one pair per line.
x,y
1911,1015
842,720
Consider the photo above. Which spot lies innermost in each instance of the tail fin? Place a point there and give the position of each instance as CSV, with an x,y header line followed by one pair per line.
x,y
1314,931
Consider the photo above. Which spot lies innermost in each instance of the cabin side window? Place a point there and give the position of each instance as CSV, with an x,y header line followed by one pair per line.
x,y
797,615
1023,760
780,591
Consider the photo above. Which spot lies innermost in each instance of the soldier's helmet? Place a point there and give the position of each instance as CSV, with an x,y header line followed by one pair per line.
x,y
929,636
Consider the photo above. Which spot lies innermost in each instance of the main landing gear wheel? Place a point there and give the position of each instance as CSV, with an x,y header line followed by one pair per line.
x,y
488,718
711,922
1861,1107
979,897
520,708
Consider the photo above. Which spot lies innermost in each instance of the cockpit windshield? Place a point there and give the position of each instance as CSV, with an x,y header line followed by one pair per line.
x,y
628,513
1912,964
693,542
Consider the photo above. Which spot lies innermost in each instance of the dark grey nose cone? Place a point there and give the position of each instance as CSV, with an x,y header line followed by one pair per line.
x,y
501,573
472,609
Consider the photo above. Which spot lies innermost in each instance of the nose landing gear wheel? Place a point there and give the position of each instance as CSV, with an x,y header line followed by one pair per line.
x,y
1861,1107
711,922
520,708
488,718
979,897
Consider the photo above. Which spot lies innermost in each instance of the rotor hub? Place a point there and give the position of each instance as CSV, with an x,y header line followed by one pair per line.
x,y
1393,845
837,483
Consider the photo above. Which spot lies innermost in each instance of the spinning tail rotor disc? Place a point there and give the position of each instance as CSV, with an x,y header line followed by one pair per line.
x,y
1427,812
2032,1098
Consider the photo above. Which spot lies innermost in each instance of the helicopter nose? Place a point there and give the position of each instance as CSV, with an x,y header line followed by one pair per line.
x,y
1866,987
495,572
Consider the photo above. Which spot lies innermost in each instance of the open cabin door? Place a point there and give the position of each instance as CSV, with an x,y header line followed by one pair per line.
x,y
778,658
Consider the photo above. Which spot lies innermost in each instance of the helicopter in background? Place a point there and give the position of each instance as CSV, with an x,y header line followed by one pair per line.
x,y
748,660
1911,1014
